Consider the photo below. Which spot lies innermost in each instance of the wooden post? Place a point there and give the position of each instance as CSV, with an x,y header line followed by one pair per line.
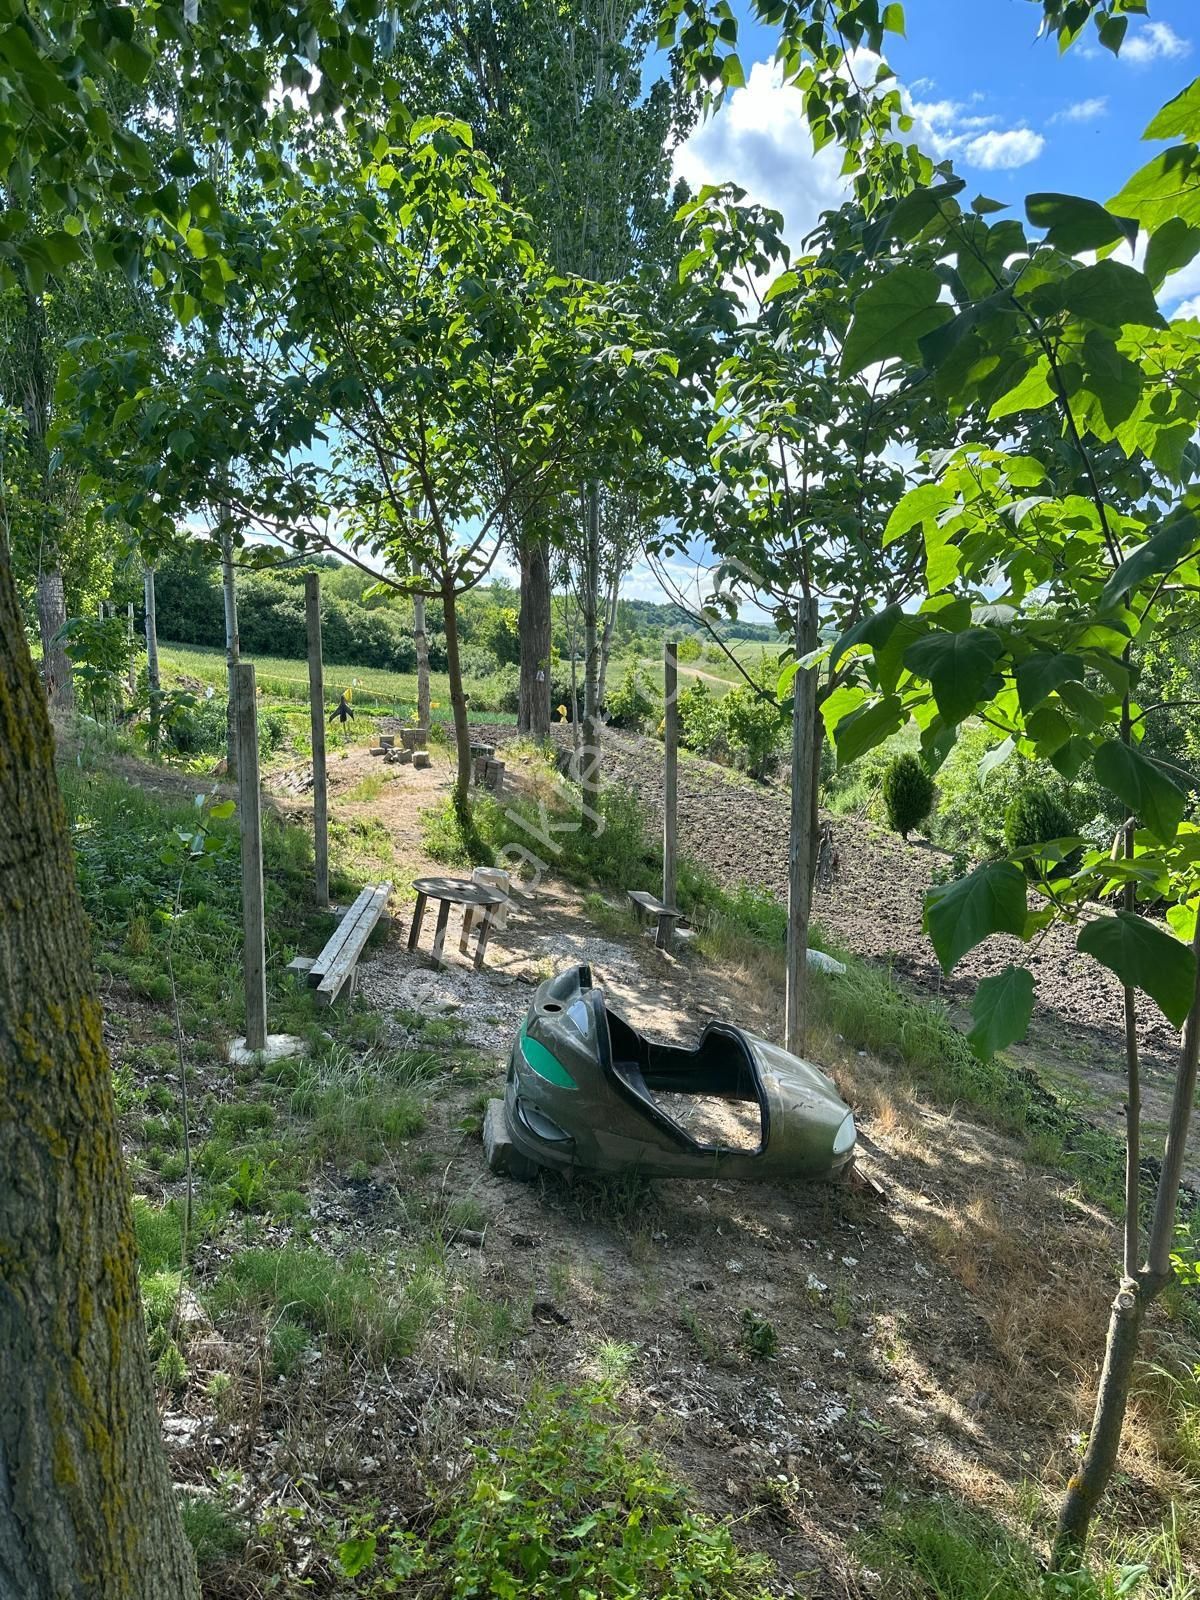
x,y
670,768
316,700
129,645
254,961
233,652
152,676
800,839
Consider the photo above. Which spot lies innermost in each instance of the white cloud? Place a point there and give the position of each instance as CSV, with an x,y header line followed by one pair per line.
x,y
760,141
1155,41
995,151
1188,308
1082,111
947,128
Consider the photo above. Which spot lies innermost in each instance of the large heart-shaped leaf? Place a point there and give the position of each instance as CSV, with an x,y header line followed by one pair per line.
x,y
862,730
1144,957
1073,224
1039,675
1150,795
891,316
960,915
1173,542
1002,1008
1112,294
957,666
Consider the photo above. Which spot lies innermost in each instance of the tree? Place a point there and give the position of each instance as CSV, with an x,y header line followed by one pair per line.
x,y
1053,566
86,1505
556,98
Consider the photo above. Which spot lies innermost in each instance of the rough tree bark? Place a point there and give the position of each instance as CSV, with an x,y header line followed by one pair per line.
x,y
86,1507
533,707
421,645
52,617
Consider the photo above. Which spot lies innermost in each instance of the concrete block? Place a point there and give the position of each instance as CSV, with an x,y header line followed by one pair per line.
x,y
503,1157
279,1047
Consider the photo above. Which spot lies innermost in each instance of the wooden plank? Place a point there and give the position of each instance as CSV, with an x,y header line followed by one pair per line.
x,y
254,954
343,966
344,931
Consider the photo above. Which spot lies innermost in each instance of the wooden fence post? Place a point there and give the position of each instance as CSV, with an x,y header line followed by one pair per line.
x,y
129,643
233,650
153,681
670,766
254,960
316,699
800,836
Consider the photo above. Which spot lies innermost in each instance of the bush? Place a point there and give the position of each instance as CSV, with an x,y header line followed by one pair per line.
x,y
755,730
1034,816
907,794
633,702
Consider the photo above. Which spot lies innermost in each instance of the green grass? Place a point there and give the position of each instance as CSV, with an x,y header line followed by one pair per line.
x,y
215,1535
941,1550
375,689
348,1303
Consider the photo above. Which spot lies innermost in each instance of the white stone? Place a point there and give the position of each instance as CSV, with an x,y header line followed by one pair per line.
x,y
820,962
278,1048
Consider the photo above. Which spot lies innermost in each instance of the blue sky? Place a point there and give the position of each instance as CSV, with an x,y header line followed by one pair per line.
x,y
1013,114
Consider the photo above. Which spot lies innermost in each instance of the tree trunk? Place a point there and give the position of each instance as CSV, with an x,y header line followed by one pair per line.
x,y
591,641
458,704
52,618
533,707
233,651
1087,1486
86,1506
1089,1483
421,645
801,835
606,638
153,680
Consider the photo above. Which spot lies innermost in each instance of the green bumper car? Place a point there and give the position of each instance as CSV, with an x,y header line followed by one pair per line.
x,y
586,1091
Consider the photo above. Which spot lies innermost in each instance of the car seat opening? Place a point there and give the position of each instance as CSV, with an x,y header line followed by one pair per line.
x,y
710,1094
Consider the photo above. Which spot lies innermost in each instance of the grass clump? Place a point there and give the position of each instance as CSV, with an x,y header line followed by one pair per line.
x,y
159,1233
342,1301
360,1110
213,1533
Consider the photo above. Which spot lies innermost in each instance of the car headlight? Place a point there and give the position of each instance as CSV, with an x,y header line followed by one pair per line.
x,y
844,1138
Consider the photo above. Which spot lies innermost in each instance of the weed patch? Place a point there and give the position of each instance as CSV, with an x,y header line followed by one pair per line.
x,y
343,1301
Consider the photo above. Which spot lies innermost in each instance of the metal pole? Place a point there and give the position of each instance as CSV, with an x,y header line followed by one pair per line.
x,y
254,960
670,766
316,700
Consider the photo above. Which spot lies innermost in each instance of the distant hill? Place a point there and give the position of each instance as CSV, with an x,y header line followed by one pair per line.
x,y
645,614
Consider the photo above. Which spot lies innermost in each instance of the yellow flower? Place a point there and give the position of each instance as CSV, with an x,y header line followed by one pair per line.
x,y
562,711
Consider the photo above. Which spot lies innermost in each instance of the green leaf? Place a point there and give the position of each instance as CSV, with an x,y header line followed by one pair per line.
x,y
957,666
1030,394
1073,224
356,1555
1144,957
732,75
919,504
1002,1008
1165,550
863,729
1147,791
873,629
1172,246
1040,675
1180,117
960,915
891,316
1112,294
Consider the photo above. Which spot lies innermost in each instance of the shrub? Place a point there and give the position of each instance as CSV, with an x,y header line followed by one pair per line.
x,y
701,725
907,794
1034,816
755,729
633,702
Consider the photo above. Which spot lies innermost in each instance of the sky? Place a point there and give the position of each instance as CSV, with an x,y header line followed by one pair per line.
x,y
1013,114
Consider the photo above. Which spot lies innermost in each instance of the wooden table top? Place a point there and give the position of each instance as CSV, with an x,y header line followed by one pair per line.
x,y
458,891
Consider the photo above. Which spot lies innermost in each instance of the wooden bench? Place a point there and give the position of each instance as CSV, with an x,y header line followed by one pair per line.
x,y
336,964
646,906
